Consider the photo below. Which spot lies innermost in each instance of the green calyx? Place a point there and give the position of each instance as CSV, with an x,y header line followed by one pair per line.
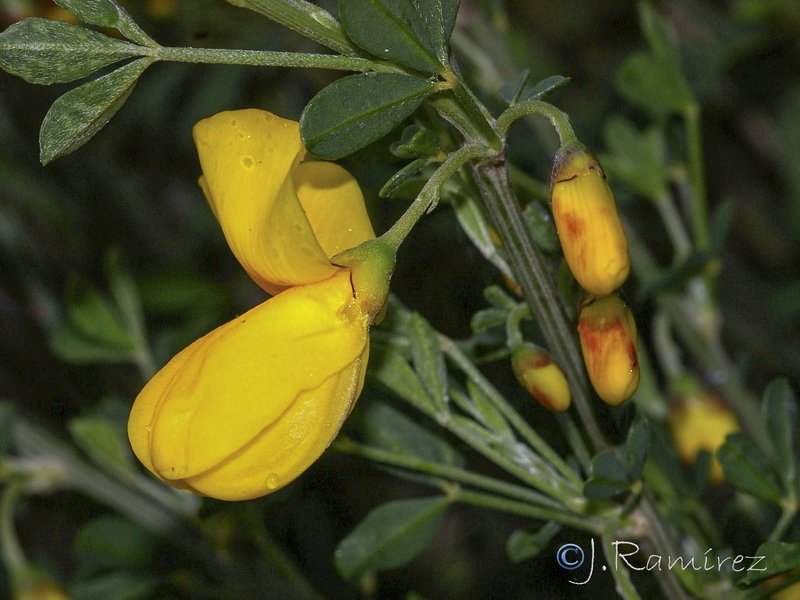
x,y
371,265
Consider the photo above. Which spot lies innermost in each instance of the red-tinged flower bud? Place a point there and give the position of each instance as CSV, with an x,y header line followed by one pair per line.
x,y
594,244
608,339
700,420
543,378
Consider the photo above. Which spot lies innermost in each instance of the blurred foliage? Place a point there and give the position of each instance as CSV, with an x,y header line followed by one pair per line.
x,y
124,212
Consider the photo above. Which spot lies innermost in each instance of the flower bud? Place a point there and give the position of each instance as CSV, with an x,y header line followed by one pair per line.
x,y
608,340
594,244
700,420
543,378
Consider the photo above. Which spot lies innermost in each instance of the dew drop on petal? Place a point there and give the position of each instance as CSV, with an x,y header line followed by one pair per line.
x,y
247,162
272,481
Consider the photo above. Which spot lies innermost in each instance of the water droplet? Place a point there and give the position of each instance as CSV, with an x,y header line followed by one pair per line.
x,y
233,122
247,162
272,481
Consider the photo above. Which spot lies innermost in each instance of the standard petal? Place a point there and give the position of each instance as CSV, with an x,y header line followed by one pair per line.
x,y
219,393
287,447
334,205
247,157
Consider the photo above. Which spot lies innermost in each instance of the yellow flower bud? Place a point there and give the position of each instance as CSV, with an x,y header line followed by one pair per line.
x,y
594,244
700,420
248,407
543,378
610,352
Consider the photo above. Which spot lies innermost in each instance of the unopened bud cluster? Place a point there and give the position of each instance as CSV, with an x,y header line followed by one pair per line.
x,y
596,250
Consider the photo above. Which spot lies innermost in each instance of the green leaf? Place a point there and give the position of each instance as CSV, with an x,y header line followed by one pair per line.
x,y
636,445
118,585
499,298
413,33
779,557
510,92
416,141
391,370
80,113
428,360
71,345
472,220
779,410
42,51
655,81
487,318
390,429
523,545
545,86
746,468
539,221
638,159
102,443
107,13
359,109
126,296
488,414
113,543
609,477
94,316
390,536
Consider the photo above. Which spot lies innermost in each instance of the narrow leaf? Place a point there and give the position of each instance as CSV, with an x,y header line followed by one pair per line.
x,y
45,52
775,558
636,447
779,410
523,545
391,370
746,468
410,32
102,443
608,478
80,113
359,109
107,13
488,414
428,359
388,428
390,536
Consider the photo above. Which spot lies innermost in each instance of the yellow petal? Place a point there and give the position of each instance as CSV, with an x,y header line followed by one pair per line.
x,y
287,447
334,206
247,158
223,391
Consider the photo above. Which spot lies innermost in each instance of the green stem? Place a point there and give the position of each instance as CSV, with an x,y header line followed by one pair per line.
x,y
557,118
575,440
514,337
537,286
526,510
451,473
428,196
13,556
619,570
528,433
268,58
787,516
694,151
674,226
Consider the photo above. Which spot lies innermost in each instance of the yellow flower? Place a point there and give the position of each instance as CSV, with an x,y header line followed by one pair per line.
x,y
245,409
607,332
543,378
700,420
594,243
